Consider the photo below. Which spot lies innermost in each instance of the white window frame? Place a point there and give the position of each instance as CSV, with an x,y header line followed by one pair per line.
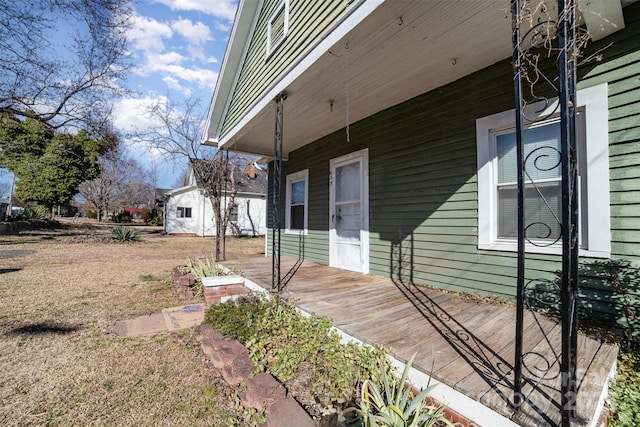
x,y
302,175
595,223
272,46
181,212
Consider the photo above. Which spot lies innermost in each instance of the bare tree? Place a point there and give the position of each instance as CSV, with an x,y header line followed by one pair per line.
x,y
177,134
102,192
136,191
122,182
59,59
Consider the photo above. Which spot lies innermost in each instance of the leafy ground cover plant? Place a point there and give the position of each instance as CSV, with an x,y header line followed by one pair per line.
x,y
304,353
625,392
125,235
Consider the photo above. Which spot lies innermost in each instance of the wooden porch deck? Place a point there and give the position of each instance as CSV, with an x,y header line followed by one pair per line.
x,y
465,344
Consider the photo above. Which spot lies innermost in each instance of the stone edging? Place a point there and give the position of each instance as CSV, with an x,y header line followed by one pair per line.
x,y
263,392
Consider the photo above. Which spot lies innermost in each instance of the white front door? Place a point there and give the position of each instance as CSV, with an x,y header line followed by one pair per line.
x,y
349,212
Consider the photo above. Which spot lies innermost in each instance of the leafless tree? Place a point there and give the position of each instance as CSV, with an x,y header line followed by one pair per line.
x,y
177,134
121,184
59,60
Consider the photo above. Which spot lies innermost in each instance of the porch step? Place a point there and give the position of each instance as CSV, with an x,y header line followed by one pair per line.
x,y
219,294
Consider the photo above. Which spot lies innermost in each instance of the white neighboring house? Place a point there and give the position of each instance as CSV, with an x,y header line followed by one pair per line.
x,y
188,211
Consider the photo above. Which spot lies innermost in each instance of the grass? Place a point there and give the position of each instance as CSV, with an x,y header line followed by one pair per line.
x,y
61,365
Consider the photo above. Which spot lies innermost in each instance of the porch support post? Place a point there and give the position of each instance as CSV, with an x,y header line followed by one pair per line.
x,y
517,86
569,291
276,194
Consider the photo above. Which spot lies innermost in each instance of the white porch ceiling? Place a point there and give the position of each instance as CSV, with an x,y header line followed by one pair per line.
x,y
401,50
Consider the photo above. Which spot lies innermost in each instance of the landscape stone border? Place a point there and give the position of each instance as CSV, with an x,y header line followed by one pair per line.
x,y
262,392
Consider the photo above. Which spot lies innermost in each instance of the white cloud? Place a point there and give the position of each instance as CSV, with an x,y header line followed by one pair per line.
x,y
173,84
159,61
220,26
196,52
196,33
147,33
225,9
204,78
131,114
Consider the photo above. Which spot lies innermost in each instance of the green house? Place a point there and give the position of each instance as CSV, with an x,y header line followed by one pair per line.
x,y
397,136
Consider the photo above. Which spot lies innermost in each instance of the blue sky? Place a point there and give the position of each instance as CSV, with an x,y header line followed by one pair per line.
x,y
178,47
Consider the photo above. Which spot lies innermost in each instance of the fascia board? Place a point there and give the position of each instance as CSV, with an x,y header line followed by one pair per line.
x,y
355,16
181,190
239,40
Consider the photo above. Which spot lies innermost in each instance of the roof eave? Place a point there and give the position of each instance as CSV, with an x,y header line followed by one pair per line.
x,y
358,12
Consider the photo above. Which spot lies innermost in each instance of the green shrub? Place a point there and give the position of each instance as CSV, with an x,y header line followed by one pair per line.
x,y
122,217
125,235
303,352
387,401
151,217
92,214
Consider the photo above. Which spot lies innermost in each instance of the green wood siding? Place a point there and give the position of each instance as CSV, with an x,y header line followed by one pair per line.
x,y
423,181
308,22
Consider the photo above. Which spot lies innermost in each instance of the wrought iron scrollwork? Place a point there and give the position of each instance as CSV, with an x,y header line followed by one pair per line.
x,y
548,36
542,294
541,159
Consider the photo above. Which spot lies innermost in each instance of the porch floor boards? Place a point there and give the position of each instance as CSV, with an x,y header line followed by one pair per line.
x,y
466,344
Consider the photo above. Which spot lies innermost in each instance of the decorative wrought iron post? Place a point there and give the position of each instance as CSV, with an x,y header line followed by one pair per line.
x,y
517,86
276,194
569,292
551,36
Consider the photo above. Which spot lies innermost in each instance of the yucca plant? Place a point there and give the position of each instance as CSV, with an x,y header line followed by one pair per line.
x,y
388,401
37,213
203,268
125,235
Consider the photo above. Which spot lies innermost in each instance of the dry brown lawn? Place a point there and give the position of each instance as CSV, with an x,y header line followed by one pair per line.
x,y
60,295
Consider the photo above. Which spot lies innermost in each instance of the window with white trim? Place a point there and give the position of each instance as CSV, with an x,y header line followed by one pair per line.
x,y
278,26
297,202
497,176
183,212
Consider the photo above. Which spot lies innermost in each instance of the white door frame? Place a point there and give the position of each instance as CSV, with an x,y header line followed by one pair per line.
x,y
363,156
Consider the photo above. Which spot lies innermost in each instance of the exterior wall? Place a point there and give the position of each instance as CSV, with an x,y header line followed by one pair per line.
x,y
194,225
423,181
308,22
251,215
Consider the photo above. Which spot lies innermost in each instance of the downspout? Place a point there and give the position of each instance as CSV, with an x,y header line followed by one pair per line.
x,y
204,213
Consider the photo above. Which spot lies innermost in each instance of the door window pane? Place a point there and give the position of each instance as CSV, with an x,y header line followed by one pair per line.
x,y
348,183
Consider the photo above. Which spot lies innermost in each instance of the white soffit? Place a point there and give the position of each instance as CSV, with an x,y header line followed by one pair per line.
x,y
603,17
